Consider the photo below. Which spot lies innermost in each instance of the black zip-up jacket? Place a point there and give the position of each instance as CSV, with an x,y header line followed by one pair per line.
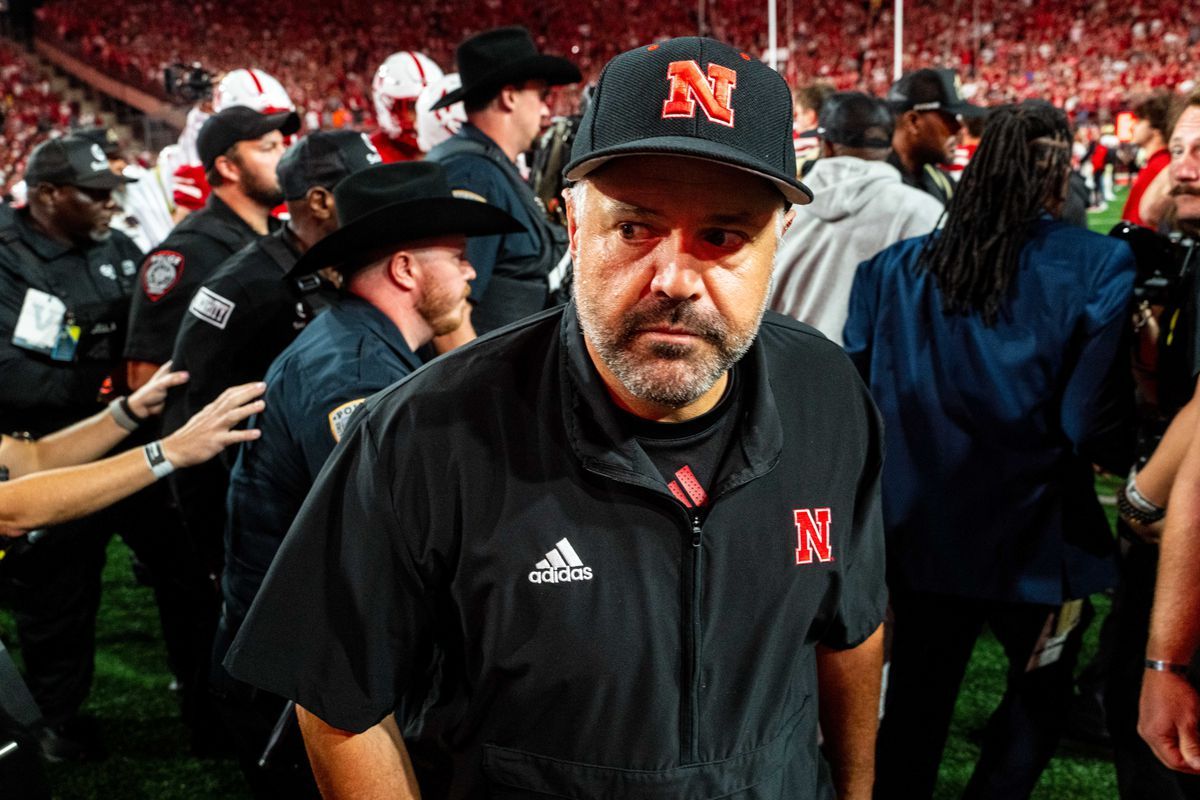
x,y
491,530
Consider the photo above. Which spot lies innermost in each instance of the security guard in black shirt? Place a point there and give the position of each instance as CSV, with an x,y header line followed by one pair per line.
x,y
65,281
239,149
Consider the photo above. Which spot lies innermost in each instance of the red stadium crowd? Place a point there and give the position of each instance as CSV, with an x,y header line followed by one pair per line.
x,y
29,110
1080,55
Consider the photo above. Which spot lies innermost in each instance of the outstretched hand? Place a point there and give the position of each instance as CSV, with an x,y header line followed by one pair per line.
x,y
152,396
211,430
1168,717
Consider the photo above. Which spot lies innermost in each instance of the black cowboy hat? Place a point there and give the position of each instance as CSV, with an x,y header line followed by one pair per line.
x,y
389,205
493,59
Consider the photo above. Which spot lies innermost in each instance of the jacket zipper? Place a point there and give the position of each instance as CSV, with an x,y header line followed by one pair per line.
x,y
692,692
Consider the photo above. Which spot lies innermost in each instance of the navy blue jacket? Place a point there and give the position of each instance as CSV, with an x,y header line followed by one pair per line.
x,y
313,388
992,431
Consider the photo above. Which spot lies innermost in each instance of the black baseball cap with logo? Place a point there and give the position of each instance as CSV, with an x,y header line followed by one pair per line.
x,y
323,158
72,161
692,97
931,90
236,124
855,119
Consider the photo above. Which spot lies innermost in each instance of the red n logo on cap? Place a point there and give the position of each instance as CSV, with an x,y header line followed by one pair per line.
x,y
689,85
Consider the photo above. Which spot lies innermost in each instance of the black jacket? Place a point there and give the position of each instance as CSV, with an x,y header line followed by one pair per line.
x,y
665,659
38,393
173,271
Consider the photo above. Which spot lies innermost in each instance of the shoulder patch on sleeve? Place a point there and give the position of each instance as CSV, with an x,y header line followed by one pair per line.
x,y
467,194
340,417
163,270
211,307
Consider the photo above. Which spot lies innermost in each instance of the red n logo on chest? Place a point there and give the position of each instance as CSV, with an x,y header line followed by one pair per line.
x,y
689,85
812,535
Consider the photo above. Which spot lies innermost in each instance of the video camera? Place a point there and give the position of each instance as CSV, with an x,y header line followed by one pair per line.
x,y
1163,262
188,83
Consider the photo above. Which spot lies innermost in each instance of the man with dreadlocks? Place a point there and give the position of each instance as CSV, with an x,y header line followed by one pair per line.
x,y
993,351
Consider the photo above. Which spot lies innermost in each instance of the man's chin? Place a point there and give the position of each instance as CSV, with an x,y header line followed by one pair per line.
x,y
101,234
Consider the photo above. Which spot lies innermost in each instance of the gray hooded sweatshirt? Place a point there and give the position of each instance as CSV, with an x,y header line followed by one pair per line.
x,y
859,208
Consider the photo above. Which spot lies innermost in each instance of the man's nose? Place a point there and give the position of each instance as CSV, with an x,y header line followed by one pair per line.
x,y
678,274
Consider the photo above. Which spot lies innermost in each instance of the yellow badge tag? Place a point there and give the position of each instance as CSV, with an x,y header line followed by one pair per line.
x,y
339,418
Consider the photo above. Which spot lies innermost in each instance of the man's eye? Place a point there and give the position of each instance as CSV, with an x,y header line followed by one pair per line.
x,y
630,230
723,238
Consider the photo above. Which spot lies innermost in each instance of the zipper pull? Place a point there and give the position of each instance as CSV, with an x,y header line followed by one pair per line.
x,y
695,530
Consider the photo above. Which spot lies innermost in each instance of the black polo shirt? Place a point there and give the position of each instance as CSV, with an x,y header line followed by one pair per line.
x,y
240,319
237,323
490,528
173,271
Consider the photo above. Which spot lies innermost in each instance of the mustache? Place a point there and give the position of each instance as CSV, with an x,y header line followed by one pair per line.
x,y
678,314
1184,189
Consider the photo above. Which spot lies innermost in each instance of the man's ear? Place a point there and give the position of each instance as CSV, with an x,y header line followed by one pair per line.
x,y
404,270
320,203
227,168
572,228
507,98
789,217
911,120
44,195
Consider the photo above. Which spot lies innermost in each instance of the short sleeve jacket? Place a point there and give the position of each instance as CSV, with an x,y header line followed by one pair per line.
x,y
171,273
486,529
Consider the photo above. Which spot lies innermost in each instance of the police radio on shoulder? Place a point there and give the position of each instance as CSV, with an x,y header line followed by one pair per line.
x,y
157,460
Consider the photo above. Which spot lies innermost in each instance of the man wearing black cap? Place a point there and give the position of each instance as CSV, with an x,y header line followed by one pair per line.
x,y
860,207
239,149
400,250
927,104
629,548
504,88
65,281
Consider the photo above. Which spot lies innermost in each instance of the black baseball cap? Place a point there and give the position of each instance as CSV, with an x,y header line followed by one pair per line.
x,y
931,90
323,158
855,119
72,161
236,124
693,97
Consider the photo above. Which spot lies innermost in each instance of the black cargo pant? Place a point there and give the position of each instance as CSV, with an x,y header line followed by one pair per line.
x,y
934,637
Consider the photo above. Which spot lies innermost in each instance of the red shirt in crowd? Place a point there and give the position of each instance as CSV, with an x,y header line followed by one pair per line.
x,y
1155,165
392,151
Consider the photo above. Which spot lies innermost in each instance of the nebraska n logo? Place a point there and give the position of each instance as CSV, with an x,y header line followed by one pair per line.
x,y
689,85
812,535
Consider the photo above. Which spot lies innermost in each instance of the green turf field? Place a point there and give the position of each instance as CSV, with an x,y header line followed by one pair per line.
x,y
148,756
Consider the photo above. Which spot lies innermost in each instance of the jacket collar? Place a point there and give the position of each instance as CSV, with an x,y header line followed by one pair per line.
x,y
371,319
38,242
604,445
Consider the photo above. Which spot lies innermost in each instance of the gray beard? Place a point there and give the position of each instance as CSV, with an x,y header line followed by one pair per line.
x,y
675,375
